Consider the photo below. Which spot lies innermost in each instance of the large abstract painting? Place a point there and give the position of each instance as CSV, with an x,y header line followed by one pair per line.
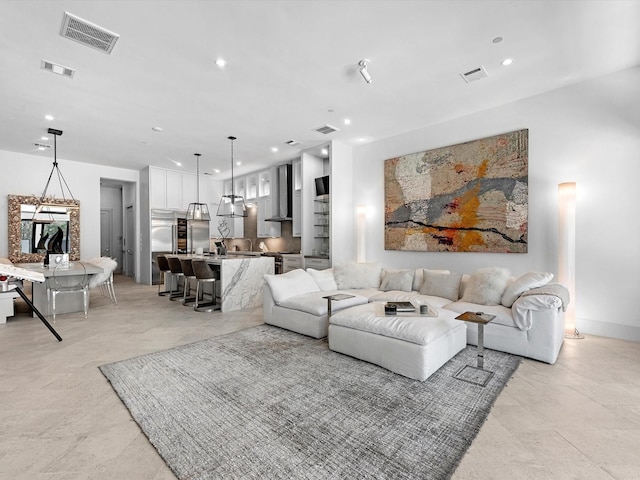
x,y
471,197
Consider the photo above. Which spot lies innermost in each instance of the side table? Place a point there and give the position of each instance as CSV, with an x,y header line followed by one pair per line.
x,y
468,373
336,297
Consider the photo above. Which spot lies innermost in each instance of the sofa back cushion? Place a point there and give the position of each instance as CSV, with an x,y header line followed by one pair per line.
x,y
357,275
418,279
440,284
324,278
486,286
523,284
401,280
290,284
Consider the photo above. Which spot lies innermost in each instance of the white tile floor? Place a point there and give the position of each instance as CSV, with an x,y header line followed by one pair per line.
x,y
60,419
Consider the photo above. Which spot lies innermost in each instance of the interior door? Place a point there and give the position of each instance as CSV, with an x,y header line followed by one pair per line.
x,y
129,242
106,231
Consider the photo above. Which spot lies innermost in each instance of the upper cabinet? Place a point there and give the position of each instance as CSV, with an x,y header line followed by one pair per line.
x,y
171,190
268,204
251,183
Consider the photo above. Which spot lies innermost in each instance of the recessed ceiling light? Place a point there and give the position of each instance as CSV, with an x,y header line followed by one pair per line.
x,y
274,149
49,117
324,151
216,170
44,138
497,40
221,62
347,121
506,62
238,163
157,129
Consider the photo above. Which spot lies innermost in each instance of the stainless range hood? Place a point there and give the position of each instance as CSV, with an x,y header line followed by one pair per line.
x,y
283,193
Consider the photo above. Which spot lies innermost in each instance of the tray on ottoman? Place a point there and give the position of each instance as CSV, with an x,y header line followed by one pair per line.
x,y
412,345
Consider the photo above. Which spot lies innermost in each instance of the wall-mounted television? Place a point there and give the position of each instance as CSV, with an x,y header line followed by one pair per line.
x,y
322,185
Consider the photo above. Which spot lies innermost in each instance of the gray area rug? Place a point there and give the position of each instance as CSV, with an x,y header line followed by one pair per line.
x,y
266,403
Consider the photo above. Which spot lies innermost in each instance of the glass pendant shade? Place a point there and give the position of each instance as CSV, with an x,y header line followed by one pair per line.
x,y
197,210
232,205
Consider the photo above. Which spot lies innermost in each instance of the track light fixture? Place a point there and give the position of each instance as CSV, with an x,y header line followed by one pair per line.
x,y
363,70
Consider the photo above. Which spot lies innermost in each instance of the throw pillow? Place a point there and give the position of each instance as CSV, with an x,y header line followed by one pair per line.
x,y
290,284
397,280
324,278
417,278
486,286
524,283
440,284
357,275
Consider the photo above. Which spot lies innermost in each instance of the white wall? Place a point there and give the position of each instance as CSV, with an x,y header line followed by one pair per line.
x,y
24,174
588,133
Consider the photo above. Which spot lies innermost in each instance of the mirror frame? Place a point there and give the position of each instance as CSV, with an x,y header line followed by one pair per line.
x,y
15,221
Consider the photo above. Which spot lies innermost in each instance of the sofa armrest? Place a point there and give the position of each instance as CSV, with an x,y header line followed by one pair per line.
x,y
267,301
524,308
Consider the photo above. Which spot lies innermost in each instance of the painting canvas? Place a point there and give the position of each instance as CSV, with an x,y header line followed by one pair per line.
x,y
470,197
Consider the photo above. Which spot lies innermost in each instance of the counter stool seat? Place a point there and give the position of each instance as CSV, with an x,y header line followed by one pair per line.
x,y
176,275
189,276
204,276
163,266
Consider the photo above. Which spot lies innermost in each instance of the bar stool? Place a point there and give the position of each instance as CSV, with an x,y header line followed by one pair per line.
x,y
187,270
176,275
163,266
204,275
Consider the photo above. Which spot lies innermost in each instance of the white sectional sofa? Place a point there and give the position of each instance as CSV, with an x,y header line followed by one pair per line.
x,y
529,309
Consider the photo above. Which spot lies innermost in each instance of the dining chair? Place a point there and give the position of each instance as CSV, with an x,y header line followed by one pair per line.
x,y
61,284
189,276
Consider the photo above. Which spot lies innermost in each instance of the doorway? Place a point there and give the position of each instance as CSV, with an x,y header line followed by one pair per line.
x,y
128,241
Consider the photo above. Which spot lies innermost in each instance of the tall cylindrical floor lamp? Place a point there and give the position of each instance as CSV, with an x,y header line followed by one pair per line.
x,y
567,252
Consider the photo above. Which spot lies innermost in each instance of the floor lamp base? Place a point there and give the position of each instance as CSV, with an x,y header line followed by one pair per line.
x,y
575,335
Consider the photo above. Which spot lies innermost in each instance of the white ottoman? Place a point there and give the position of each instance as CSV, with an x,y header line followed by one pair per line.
x,y
409,344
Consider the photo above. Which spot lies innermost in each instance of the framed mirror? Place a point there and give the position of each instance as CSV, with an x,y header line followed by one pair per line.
x,y
32,233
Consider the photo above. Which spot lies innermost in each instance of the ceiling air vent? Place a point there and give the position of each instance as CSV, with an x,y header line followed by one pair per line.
x,y
474,75
86,33
327,129
42,146
293,143
58,69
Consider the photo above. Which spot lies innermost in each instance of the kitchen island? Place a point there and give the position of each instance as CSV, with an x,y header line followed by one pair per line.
x,y
240,281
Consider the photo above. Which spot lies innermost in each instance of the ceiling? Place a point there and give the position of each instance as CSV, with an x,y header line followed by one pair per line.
x,y
292,66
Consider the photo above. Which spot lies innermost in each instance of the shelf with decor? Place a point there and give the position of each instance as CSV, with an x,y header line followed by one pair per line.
x,y
322,225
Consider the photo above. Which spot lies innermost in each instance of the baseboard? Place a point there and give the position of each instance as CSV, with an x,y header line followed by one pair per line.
x,y
606,329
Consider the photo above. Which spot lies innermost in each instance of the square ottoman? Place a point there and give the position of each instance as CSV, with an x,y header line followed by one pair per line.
x,y
409,344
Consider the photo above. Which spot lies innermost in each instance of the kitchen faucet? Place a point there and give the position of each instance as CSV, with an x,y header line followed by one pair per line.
x,y
250,244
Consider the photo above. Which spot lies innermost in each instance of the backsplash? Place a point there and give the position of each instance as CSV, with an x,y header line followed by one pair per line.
x,y
285,243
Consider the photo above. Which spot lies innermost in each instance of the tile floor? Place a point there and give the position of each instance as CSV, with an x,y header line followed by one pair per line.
x,y
60,419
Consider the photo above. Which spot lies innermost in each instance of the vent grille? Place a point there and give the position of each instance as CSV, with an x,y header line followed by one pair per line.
x,y
57,69
84,32
42,146
474,75
327,129
293,143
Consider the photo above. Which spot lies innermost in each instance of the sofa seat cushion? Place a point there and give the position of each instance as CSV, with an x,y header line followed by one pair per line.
x,y
315,304
417,298
361,292
503,314
409,328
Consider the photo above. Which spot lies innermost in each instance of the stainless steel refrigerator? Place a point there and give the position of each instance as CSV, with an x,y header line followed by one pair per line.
x,y
171,232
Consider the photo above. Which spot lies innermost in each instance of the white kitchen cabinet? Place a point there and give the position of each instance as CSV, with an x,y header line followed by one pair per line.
x,y
317,263
291,262
251,184
296,223
267,205
265,210
174,191
157,188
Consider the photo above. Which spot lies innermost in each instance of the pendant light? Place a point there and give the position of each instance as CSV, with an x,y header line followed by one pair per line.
x,y
50,202
232,205
198,211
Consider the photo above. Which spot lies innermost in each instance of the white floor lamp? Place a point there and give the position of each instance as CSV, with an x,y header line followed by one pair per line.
x,y
567,252
361,230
